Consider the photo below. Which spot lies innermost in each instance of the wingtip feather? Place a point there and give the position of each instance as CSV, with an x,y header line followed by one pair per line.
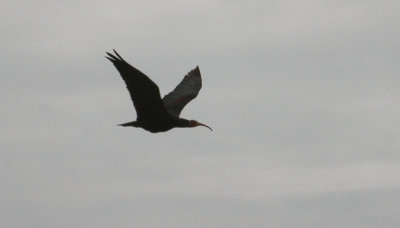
x,y
197,71
112,60
117,54
112,56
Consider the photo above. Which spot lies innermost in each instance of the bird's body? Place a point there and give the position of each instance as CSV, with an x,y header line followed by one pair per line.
x,y
153,113
161,124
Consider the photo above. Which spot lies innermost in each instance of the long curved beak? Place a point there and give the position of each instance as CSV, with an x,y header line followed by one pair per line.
x,y
200,124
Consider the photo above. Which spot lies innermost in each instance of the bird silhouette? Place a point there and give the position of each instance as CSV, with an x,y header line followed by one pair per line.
x,y
153,113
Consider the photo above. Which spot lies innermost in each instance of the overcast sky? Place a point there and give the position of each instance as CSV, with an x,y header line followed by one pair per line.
x,y
303,97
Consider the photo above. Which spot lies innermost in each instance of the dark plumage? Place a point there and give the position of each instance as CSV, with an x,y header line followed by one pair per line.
x,y
154,114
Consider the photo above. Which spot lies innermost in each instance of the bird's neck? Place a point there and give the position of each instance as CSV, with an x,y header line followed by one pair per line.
x,y
182,122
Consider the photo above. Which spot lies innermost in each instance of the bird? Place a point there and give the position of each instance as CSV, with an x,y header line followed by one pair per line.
x,y
153,113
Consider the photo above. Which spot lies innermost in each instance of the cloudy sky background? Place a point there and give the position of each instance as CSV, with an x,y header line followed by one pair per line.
x,y
303,97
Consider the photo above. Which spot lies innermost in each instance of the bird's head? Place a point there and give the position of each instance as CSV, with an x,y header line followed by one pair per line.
x,y
194,123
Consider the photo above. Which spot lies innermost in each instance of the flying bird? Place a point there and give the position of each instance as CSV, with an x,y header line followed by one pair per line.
x,y
153,113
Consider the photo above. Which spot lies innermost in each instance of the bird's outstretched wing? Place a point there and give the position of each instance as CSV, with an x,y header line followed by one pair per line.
x,y
145,94
186,91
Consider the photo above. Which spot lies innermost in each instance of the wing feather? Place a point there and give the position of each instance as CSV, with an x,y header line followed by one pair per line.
x,y
186,91
144,93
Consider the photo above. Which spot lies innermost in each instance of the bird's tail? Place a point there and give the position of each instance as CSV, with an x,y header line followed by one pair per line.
x,y
129,124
